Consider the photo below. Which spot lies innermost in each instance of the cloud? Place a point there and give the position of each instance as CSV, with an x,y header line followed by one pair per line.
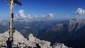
x,y
80,11
21,16
29,16
21,13
51,15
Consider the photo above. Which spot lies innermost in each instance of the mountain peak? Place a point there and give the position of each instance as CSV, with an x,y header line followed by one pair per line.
x,y
20,41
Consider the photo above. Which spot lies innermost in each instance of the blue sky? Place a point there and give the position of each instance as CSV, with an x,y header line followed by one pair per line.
x,y
42,7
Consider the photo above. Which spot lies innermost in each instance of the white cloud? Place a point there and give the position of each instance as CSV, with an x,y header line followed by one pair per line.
x,y
51,15
29,16
80,11
43,16
21,16
21,13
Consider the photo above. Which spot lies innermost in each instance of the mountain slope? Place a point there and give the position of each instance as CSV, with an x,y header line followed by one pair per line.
x,y
68,32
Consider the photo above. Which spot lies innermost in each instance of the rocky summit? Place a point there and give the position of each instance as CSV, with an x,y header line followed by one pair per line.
x,y
19,41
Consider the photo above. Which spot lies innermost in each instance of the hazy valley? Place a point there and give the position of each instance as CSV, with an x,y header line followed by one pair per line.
x,y
70,32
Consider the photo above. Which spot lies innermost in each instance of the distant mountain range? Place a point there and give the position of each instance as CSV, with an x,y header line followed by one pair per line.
x,y
70,32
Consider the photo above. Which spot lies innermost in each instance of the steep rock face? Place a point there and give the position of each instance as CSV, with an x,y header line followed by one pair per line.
x,y
72,24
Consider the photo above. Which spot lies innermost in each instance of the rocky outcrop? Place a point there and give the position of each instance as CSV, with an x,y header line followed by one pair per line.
x,y
30,41
42,43
60,45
